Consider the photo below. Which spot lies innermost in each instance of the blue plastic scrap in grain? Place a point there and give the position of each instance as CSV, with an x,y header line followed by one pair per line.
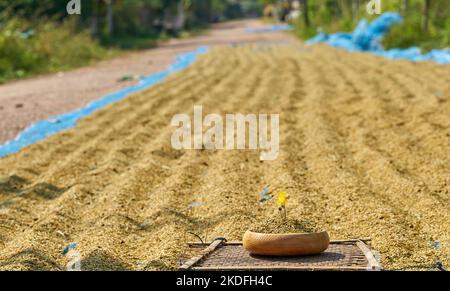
x,y
68,248
264,195
436,245
196,204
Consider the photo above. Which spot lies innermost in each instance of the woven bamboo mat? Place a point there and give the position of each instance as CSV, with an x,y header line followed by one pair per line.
x,y
354,255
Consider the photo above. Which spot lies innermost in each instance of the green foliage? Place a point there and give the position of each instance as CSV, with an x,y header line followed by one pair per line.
x,y
27,49
410,32
58,47
15,56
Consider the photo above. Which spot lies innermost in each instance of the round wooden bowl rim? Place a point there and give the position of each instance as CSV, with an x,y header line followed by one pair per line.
x,y
288,234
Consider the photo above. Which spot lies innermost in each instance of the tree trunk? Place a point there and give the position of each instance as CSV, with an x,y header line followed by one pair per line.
x,y
336,10
181,17
426,16
305,13
405,5
144,16
110,16
94,23
355,9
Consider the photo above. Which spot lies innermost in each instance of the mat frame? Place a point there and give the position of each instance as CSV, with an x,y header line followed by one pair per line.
x,y
362,244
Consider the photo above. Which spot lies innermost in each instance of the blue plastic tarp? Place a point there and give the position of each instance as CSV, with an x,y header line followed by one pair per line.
x,y
43,129
270,28
367,37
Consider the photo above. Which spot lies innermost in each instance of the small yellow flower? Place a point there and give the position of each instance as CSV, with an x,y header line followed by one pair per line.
x,y
282,199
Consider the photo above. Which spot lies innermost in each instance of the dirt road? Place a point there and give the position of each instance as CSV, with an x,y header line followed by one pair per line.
x,y
364,153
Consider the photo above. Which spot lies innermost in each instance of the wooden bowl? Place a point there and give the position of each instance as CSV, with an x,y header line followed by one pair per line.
x,y
296,244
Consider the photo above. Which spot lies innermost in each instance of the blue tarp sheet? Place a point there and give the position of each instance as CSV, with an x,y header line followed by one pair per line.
x,y
367,37
43,129
270,28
